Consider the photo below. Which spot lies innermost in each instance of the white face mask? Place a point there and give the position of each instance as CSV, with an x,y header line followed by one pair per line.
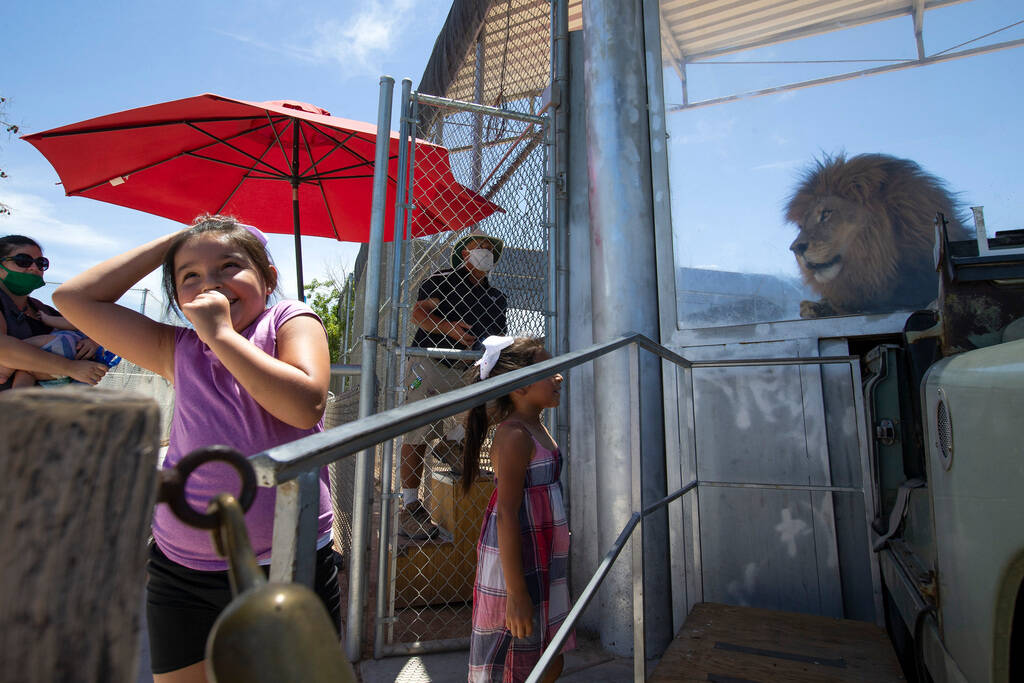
x,y
481,259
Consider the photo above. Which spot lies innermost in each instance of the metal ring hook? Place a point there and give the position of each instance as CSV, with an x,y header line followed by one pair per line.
x,y
172,484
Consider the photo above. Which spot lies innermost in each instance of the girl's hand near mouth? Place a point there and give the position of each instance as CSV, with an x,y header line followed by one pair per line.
x,y
209,313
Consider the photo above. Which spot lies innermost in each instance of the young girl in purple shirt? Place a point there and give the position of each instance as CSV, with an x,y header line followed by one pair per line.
x,y
245,375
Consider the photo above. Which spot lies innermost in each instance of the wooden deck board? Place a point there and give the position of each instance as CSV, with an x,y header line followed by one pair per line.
x,y
746,645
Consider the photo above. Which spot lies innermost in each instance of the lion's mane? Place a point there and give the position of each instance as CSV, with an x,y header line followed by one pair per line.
x,y
867,230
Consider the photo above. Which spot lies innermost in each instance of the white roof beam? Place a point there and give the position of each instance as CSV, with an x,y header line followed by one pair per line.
x,y
919,27
944,57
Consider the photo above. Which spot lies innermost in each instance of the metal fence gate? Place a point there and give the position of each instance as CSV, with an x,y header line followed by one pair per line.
x,y
426,564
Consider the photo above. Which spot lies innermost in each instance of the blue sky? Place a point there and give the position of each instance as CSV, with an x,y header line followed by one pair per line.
x,y
732,165
70,60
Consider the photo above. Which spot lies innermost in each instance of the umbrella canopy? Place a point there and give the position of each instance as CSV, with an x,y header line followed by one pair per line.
x,y
283,166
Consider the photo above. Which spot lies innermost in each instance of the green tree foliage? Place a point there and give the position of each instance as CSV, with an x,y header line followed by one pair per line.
x,y
10,129
323,296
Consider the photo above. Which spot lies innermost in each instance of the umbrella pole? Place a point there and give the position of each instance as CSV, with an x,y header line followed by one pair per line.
x,y
295,212
298,244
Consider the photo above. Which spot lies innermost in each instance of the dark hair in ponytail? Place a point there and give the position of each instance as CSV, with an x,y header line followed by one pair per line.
x,y
521,353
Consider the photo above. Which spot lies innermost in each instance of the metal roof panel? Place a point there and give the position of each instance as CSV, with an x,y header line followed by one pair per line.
x,y
704,28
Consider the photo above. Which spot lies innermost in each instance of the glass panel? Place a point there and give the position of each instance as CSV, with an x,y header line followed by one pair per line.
x,y
747,174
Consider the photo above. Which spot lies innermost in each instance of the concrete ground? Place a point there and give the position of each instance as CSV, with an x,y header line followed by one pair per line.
x,y
587,664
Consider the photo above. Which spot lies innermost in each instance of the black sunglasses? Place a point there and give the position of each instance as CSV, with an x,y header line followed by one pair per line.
x,y
26,261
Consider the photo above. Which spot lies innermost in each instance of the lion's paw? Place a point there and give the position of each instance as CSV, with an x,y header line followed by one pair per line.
x,y
816,309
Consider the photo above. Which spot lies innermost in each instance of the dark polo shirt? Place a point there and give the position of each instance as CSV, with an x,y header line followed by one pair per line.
x,y
480,306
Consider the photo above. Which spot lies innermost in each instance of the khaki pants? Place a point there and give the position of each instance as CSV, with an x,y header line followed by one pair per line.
x,y
425,377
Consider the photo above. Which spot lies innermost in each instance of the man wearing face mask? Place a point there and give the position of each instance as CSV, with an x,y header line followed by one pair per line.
x,y
455,309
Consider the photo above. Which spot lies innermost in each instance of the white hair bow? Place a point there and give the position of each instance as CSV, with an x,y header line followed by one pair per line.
x,y
493,346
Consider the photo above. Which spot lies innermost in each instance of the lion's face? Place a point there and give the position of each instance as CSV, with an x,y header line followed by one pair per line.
x,y
832,242
830,231
867,232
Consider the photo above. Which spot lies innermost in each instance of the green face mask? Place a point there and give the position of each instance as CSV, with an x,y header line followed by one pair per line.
x,y
20,284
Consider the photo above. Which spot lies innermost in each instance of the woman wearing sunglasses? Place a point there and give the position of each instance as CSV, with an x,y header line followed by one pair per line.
x,y
27,324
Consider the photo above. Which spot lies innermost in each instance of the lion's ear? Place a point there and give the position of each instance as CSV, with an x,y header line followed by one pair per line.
x,y
864,184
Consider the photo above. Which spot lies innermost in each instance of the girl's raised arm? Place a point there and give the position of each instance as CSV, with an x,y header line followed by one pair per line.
x,y
511,453
87,300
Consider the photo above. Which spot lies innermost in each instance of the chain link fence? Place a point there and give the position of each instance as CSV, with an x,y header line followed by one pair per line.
x,y
430,556
436,525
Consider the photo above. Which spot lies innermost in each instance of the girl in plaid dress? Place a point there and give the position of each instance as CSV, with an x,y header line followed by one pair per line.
x,y
521,596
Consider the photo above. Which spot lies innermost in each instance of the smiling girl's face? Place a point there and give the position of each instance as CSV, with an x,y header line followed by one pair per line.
x,y
210,262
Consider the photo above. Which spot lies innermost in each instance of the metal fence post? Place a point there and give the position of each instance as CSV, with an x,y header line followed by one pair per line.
x,y
394,371
295,529
343,352
636,496
363,488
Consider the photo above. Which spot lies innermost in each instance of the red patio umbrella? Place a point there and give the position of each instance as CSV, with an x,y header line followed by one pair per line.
x,y
267,163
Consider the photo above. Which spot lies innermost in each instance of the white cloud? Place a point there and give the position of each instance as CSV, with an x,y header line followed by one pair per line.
x,y
301,54
360,43
784,164
34,216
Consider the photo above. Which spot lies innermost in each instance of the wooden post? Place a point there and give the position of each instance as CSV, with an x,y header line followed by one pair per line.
x,y
77,484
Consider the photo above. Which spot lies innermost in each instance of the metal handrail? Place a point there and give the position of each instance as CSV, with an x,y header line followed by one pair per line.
x,y
597,579
605,566
293,466
286,462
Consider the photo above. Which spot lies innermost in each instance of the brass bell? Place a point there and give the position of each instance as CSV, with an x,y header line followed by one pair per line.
x,y
271,631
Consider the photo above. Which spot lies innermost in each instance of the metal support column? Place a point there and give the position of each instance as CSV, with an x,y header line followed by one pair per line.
x,y
668,316
363,488
625,299
560,211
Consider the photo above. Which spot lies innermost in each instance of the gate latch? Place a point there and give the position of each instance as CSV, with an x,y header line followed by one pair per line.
x,y
885,432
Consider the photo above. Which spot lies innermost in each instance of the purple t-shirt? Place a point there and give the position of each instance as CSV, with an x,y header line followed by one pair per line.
x,y
211,407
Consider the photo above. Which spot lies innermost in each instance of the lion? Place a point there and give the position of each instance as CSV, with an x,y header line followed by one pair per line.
x,y
867,233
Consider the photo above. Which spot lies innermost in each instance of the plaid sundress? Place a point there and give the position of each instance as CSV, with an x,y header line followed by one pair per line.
x,y
494,654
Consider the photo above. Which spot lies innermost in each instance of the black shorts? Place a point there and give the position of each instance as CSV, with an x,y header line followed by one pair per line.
x,y
183,603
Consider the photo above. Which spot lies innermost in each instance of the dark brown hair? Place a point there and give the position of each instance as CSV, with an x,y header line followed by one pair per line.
x,y
521,353
9,242
232,231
